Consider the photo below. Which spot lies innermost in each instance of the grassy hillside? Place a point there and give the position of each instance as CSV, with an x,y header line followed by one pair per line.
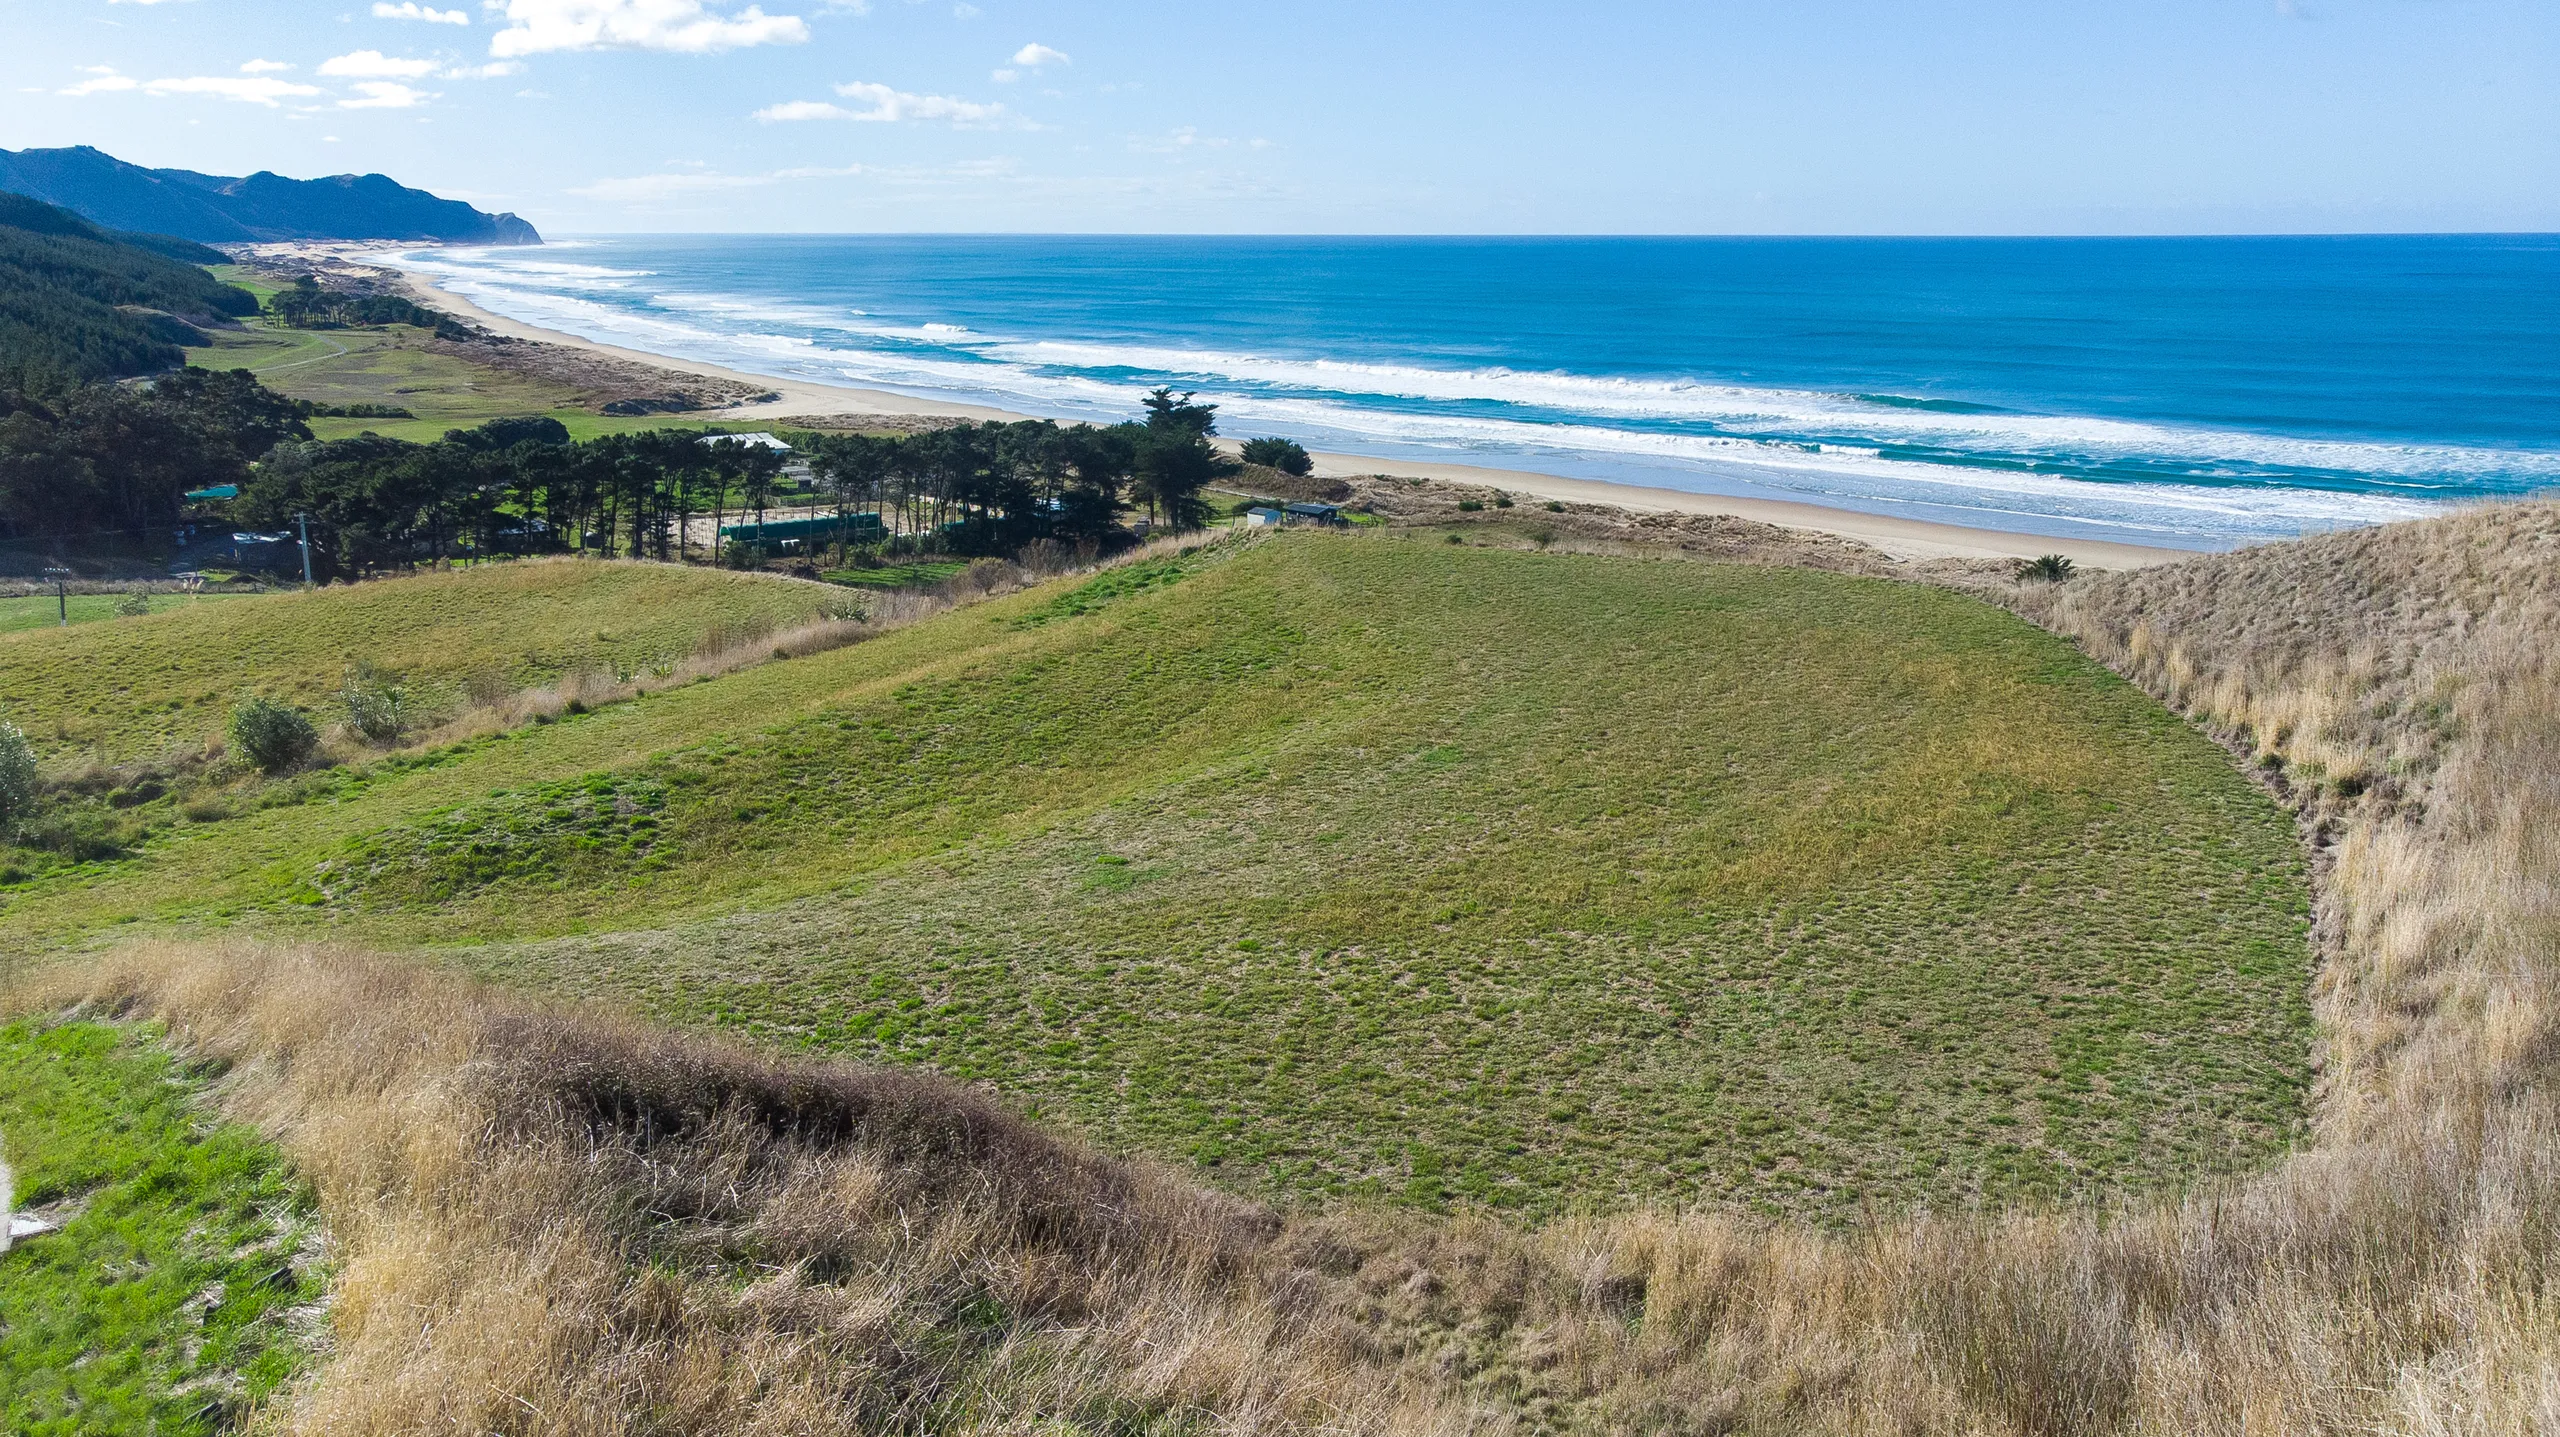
x,y
1350,866
139,686
651,1229
160,1304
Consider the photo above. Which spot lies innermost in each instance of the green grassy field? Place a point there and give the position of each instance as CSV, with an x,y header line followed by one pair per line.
x,y
160,1304
921,574
1361,866
43,611
139,686
391,366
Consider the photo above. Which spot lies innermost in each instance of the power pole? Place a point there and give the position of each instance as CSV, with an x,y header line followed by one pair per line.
x,y
304,520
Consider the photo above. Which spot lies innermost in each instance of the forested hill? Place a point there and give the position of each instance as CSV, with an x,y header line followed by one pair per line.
x,y
78,303
216,209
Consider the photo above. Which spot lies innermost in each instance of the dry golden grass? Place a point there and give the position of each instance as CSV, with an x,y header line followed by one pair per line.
x,y
560,1222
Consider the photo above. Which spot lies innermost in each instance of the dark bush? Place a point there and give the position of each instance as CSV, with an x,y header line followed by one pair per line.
x,y
273,737
1286,455
2048,569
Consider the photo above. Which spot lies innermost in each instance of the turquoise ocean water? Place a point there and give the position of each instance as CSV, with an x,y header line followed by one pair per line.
x,y
2199,393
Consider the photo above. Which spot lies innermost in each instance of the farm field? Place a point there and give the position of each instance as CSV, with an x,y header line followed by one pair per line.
x,y
389,366
160,1305
42,611
1358,867
139,686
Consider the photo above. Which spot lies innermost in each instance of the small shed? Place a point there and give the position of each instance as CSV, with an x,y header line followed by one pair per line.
x,y
1259,517
1315,513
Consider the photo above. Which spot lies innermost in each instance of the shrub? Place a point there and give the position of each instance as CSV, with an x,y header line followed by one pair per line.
x,y
133,605
1555,506
378,710
1502,501
274,737
2048,569
18,792
1286,455
1470,506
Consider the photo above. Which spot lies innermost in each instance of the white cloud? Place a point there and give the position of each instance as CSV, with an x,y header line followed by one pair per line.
x,y
1186,138
1004,77
374,65
965,11
653,189
1032,57
535,27
247,89
412,10
642,189
494,70
102,80
385,95
883,105
799,110
264,67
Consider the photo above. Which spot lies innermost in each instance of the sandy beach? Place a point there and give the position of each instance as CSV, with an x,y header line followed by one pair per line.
x,y
1912,539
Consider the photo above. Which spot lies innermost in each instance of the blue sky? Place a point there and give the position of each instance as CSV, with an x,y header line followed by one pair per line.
x,y
1825,116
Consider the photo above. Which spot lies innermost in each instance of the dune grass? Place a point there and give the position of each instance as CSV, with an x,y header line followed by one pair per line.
x,y
159,1306
1348,867
143,685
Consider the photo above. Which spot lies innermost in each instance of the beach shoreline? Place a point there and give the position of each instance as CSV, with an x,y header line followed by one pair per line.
x,y
1897,537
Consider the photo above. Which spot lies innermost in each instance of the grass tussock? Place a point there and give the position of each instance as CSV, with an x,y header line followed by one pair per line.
x,y
567,1223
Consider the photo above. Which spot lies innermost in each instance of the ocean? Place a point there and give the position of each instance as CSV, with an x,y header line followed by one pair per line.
x,y
2193,393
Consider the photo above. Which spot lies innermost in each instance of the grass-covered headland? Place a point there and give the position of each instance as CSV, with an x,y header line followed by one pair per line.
x,y
1350,866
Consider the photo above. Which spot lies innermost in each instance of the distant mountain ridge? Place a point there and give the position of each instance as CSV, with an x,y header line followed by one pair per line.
x,y
213,209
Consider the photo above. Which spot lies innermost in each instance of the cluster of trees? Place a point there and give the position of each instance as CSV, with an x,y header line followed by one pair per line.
x,y
519,486
1286,455
509,486
986,487
107,462
111,461
79,303
305,305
